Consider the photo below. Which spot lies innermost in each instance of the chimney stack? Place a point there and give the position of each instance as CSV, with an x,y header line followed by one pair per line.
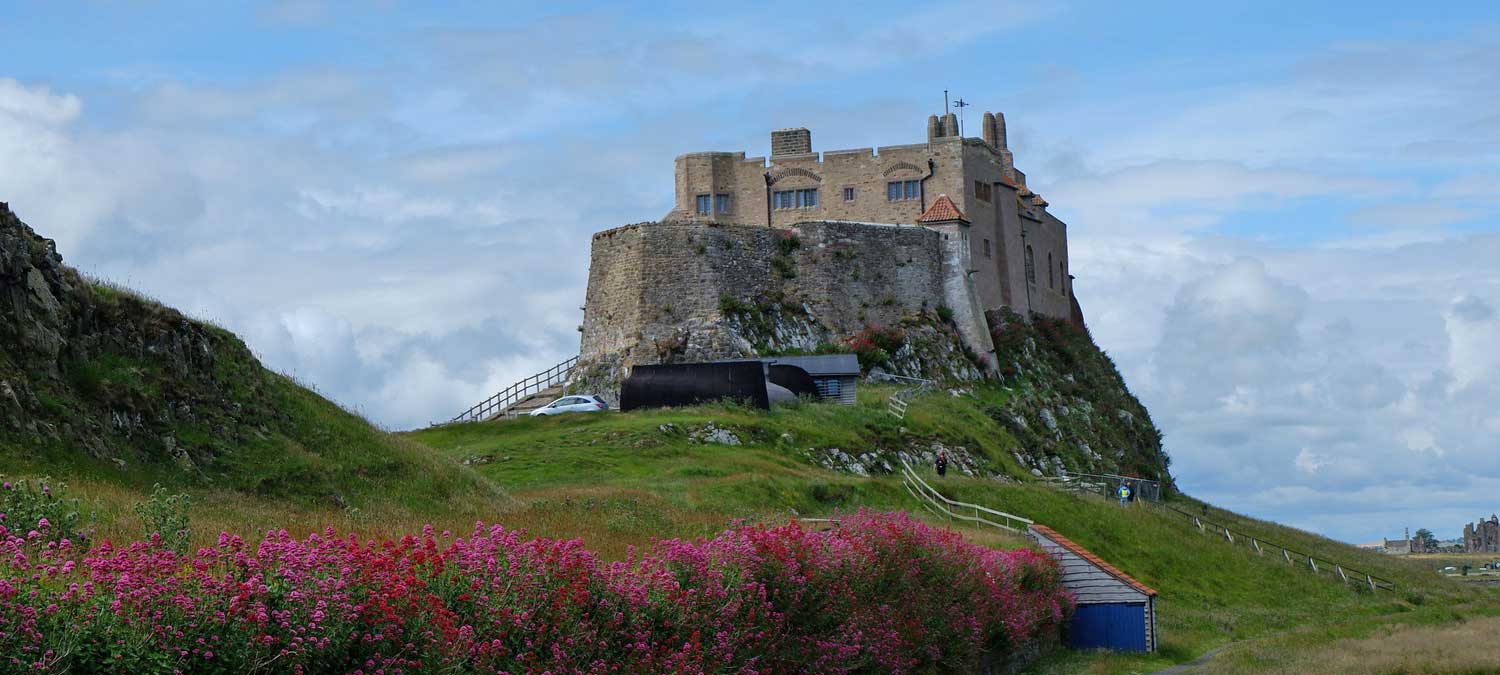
x,y
934,128
796,141
988,127
950,125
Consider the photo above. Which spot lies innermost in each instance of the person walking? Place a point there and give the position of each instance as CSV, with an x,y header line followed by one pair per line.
x,y
942,463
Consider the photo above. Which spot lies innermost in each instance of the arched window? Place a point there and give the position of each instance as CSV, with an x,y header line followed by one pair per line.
x,y
1062,274
1030,266
1051,279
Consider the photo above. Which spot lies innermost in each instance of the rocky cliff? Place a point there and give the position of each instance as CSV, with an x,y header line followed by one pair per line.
x,y
94,377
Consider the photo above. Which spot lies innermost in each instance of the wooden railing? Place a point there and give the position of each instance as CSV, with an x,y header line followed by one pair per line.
x,y
901,400
497,405
1107,484
942,506
1295,558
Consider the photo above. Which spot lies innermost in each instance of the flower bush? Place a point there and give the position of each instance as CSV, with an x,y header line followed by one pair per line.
x,y
880,594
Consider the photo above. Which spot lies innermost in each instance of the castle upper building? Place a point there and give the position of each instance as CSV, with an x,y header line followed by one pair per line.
x,y
936,241
1017,251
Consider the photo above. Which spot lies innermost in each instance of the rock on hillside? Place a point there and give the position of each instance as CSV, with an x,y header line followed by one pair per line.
x,y
1069,408
94,375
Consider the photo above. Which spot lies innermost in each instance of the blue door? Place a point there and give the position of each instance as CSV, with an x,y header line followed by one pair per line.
x,y
1117,626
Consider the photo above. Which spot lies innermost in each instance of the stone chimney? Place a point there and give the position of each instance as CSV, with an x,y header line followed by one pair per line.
x,y
950,125
988,127
796,141
934,128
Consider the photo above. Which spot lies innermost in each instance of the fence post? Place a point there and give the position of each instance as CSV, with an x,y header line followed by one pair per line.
x,y
1286,555
1228,536
1256,544
1343,576
1371,580
1313,564
1199,522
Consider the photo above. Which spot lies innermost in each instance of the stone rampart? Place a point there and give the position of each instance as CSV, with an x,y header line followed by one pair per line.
x,y
697,291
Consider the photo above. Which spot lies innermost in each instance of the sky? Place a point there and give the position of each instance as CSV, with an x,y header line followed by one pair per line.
x,y
1284,218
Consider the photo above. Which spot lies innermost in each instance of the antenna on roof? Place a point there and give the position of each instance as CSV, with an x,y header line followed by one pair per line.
x,y
945,101
961,104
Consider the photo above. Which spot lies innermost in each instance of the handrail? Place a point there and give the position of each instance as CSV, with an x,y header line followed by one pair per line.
x,y
932,497
901,400
497,405
1292,556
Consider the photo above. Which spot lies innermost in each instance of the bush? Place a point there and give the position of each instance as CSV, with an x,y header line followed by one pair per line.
x,y
880,594
945,314
40,506
874,345
166,517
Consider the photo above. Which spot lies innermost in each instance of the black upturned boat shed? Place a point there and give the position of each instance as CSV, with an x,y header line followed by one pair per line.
x,y
1114,611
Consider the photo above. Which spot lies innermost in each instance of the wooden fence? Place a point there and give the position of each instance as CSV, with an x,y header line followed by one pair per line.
x,y
1316,565
934,501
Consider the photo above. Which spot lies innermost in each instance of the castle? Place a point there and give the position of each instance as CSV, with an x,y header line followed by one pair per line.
x,y
1483,536
806,249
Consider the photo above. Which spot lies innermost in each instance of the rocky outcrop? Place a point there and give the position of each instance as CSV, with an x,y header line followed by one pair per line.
x,y
90,367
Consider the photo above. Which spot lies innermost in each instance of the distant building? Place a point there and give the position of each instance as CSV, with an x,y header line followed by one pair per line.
x,y
1483,536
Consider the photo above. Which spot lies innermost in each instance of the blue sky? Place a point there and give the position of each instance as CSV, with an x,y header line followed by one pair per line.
x,y
1283,216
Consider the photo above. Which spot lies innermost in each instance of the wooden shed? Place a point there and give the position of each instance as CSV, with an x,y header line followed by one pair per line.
x,y
835,375
1114,611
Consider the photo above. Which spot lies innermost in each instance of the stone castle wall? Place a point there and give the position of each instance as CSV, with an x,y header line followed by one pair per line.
x,y
658,289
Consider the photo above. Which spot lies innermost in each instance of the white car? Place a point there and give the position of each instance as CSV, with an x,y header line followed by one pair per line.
x,y
567,404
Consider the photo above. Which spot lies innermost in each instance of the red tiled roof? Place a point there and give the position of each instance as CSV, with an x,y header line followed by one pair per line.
x,y
1009,181
1037,200
942,210
1091,558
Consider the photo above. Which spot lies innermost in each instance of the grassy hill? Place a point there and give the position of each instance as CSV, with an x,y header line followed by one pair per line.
x,y
115,392
621,479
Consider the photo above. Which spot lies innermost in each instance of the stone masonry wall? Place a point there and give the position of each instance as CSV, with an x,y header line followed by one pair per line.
x,y
659,290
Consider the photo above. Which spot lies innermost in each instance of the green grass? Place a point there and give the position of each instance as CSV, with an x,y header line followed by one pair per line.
x,y
622,479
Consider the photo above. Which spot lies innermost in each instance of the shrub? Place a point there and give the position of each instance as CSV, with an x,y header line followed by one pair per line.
x,y
945,314
875,345
784,268
787,243
880,594
41,506
166,516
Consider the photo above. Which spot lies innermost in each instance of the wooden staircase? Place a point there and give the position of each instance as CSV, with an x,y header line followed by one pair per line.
x,y
536,391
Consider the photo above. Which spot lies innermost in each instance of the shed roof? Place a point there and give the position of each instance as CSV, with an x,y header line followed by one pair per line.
x,y
1092,559
817,365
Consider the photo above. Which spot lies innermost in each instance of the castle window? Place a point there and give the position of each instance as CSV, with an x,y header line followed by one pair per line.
x,y
795,199
902,190
1030,266
721,203
704,204
1063,275
986,248
848,194
1051,280
983,191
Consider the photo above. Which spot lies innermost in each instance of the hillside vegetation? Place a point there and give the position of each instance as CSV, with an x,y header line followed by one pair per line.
x,y
116,392
618,479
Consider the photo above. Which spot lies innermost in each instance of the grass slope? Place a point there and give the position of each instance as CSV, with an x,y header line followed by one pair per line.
x,y
622,479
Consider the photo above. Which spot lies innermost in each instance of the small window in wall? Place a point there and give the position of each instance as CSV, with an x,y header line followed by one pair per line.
x,y
983,191
902,190
848,194
721,203
1030,266
795,199
1063,275
1051,280
986,248
704,205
